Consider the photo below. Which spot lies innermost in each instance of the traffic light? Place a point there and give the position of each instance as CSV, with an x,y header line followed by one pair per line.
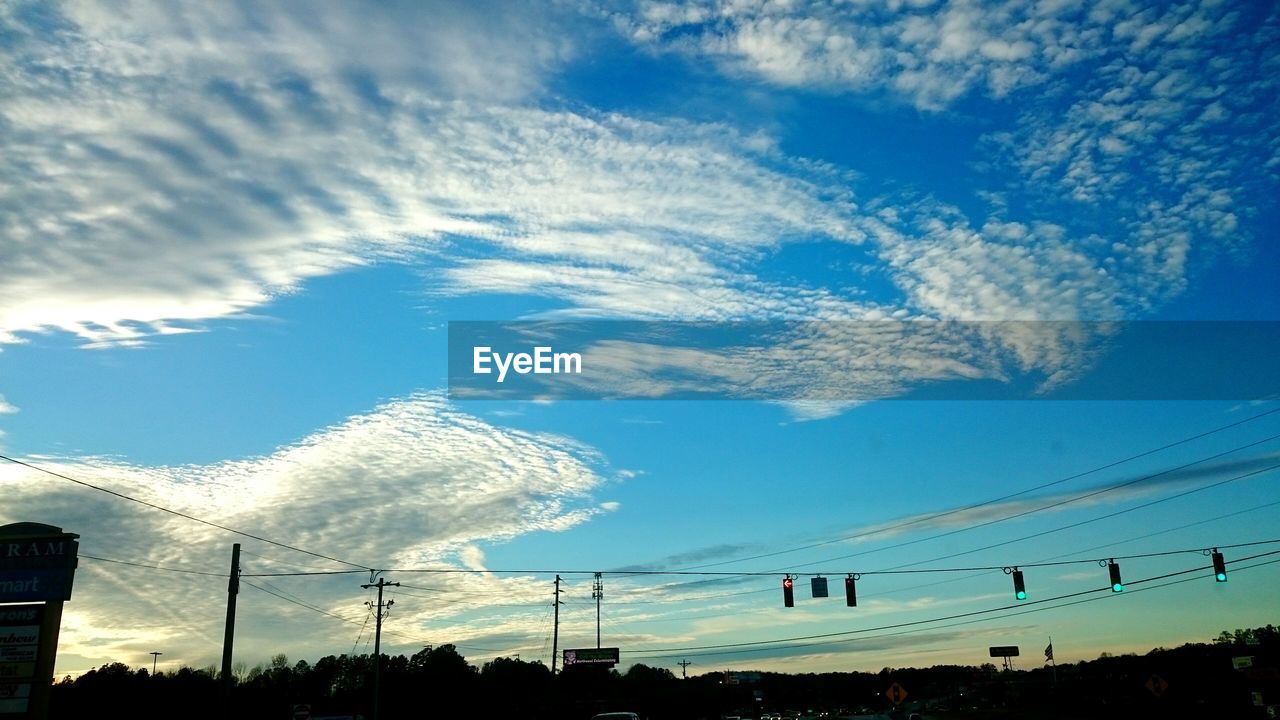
x,y
1114,569
1219,567
850,592
788,592
1019,586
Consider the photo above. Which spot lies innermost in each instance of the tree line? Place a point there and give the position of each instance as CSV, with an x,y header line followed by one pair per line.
x,y
1194,680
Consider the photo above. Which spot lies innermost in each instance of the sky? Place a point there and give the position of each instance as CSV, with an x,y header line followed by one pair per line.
x,y
234,236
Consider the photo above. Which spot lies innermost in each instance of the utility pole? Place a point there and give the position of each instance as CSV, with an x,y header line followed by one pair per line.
x,y
555,634
233,588
377,633
597,592
684,669
154,656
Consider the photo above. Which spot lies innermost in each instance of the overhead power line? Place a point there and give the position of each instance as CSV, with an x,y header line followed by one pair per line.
x,y
766,643
1024,513
992,501
179,513
910,631
705,573
1104,517
1068,501
151,567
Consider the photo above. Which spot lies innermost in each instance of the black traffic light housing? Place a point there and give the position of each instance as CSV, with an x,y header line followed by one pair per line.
x,y
1117,585
788,592
850,592
1019,585
1219,566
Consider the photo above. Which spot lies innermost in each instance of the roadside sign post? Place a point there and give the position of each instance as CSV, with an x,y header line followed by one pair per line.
x,y
607,657
896,694
37,567
1006,652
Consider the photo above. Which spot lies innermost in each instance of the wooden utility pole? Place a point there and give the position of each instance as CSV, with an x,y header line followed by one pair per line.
x,y
684,669
228,638
555,633
377,637
597,593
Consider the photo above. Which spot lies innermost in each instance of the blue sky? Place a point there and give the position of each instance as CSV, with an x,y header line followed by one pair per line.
x,y
234,236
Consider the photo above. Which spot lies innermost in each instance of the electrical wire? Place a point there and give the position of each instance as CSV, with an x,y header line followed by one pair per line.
x,y
895,591
992,501
151,567
1024,513
179,513
949,625
755,643
1061,503
360,634
1101,517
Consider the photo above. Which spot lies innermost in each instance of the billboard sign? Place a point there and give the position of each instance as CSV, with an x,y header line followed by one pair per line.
x,y
591,656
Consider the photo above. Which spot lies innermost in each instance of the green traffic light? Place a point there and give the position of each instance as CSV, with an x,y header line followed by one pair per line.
x,y
1022,594
1117,587
1219,566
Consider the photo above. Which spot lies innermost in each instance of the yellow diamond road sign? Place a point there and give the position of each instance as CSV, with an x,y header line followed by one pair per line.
x,y
1157,685
896,694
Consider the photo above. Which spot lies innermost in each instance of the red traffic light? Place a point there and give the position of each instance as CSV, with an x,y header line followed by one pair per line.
x,y
788,592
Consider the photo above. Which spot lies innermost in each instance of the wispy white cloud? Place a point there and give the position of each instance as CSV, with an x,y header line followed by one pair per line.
x,y
1168,132
928,53
215,169
180,165
6,407
412,483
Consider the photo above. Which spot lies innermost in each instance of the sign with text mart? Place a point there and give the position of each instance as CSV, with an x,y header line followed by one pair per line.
x,y
36,568
591,656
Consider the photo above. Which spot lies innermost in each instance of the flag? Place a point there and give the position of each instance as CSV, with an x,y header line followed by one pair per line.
x,y
1048,652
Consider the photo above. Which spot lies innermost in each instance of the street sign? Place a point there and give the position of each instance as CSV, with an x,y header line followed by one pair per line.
x,y
34,585
818,586
37,565
1157,685
591,656
14,697
1004,651
19,644
19,649
1240,663
37,562
896,694
37,550
301,712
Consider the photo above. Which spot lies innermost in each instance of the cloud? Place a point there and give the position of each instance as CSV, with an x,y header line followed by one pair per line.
x,y
223,157
7,408
1174,132
215,171
412,483
929,54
